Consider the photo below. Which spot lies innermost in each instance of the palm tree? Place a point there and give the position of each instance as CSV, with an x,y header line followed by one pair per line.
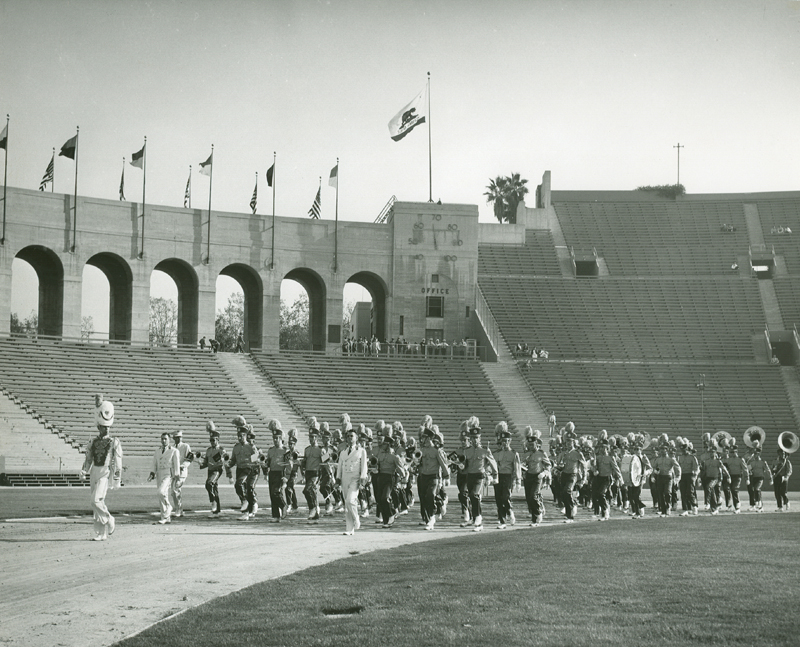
x,y
506,193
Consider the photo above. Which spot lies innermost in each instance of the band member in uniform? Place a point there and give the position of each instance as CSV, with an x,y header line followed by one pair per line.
x,y
480,464
244,456
690,470
433,469
441,499
714,470
185,457
214,459
364,493
293,456
461,474
635,491
781,471
536,466
737,468
277,470
759,470
509,474
312,464
389,467
166,469
327,478
103,466
701,458
400,498
664,470
351,474
572,466
606,471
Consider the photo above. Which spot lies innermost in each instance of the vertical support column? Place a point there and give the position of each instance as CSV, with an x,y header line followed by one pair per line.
x,y
71,321
333,315
206,314
140,316
5,290
270,329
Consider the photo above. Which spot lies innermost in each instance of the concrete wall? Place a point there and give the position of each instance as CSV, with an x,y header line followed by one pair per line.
x,y
394,261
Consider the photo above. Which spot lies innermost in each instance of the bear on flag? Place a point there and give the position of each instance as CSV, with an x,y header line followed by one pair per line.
x,y
411,116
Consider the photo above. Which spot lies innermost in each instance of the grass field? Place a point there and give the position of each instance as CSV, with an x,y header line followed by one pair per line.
x,y
693,581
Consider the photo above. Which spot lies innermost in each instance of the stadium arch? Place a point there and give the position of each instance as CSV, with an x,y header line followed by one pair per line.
x,y
188,286
120,284
50,272
314,285
253,289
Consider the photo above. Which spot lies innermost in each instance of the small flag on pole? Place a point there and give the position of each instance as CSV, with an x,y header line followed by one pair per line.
x,y
4,138
270,174
411,116
254,199
48,174
314,211
205,167
68,149
137,159
334,178
187,195
122,182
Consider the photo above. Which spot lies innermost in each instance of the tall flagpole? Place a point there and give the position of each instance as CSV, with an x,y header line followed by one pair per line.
x,y
144,184
53,183
274,175
5,185
336,223
190,186
75,196
208,234
430,160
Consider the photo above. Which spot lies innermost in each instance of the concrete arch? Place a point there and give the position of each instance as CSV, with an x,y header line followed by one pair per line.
x,y
317,299
120,303
378,290
253,289
50,271
186,280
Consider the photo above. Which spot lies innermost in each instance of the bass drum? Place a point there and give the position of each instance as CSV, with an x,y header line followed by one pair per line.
x,y
631,470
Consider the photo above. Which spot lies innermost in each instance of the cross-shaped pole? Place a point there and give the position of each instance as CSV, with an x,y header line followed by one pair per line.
x,y
679,160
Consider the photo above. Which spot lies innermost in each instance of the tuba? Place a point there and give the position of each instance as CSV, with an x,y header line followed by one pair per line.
x,y
788,442
754,436
646,440
722,438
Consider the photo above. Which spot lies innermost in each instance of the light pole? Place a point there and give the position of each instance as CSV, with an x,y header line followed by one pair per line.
x,y
701,386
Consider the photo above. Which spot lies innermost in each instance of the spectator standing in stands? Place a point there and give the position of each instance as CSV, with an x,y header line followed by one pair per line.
x,y
202,343
103,463
184,460
166,469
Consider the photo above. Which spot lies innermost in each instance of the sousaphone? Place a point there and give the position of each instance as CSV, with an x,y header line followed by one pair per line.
x,y
721,438
788,442
646,439
754,434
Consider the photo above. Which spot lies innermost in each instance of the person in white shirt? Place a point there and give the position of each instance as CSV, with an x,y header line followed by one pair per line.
x,y
351,475
166,470
185,457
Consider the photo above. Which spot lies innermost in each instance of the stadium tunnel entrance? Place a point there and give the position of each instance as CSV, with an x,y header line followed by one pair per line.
x,y
120,293
376,287
186,282
314,286
50,273
252,288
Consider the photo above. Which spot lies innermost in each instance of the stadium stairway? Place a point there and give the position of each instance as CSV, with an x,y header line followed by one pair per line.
x,y
262,395
516,397
30,453
791,380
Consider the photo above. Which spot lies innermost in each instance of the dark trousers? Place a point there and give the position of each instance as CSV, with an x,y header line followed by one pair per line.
x,y
600,489
713,493
427,484
502,496
635,496
780,492
311,489
326,485
568,482
474,487
663,492
291,495
441,499
755,483
688,492
245,486
705,480
726,491
463,495
277,493
213,489
736,482
383,496
533,496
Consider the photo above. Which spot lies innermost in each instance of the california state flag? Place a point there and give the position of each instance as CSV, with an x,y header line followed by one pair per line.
x,y
411,116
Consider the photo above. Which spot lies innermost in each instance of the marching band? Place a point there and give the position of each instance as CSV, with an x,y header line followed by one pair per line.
x,y
366,470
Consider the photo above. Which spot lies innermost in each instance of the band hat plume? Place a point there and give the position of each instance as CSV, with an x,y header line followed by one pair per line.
x,y
210,426
105,414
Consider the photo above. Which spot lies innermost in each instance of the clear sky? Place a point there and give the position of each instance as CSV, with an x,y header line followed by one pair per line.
x,y
596,92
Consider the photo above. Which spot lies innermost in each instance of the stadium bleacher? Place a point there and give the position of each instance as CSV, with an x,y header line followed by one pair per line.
x,y
536,257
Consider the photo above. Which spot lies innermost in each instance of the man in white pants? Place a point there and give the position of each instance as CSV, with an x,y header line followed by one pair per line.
x,y
351,474
166,470
185,457
103,462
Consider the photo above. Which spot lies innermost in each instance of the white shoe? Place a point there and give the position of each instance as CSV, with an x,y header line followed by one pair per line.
x,y
501,525
707,506
244,517
255,509
512,518
737,511
477,528
468,522
430,525
685,513
695,511
715,511
569,520
164,521
112,526
402,512
348,532
534,524
244,506
102,537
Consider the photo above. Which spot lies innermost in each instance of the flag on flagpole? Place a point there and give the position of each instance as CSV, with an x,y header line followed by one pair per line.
x,y
122,182
334,178
270,174
4,138
68,149
254,199
314,211
48,174
137,158
411,116
187,195
205,167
